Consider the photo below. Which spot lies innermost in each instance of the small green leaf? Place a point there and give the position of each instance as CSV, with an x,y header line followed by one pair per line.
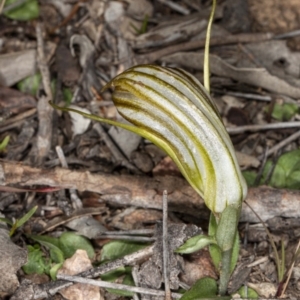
x,y
69,242
30,84
50,243
250,177
212,227
216,255
36,263
56,255
195,243
286,173
284,112
26,217
24,12
204,288
117,249
226,230
68,96
54,269
247,293
7,221
4,143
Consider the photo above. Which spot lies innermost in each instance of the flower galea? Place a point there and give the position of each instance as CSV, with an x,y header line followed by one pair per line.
x,y
171,108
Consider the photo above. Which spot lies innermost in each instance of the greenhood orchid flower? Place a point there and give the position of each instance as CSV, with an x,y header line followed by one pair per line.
x,y
172,109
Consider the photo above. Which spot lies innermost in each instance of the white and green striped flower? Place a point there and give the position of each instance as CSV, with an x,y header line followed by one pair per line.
x,y
171,108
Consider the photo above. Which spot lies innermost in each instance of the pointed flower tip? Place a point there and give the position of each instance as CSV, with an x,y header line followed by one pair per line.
x,y
172,109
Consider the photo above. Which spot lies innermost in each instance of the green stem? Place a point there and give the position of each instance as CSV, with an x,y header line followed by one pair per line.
x,y
206,51
225,271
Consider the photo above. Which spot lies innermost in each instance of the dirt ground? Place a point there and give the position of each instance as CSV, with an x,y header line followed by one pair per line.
x,y
107,184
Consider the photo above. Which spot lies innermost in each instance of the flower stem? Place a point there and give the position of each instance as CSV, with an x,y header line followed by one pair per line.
x,y
225,271
206,50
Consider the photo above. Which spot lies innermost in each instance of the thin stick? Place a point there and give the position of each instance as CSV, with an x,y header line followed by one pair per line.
x,y
122,287
277,260
280,125
165,244
76,202
176,7
44,110
2,5
117,154
289,273
134,274
206,50
282,144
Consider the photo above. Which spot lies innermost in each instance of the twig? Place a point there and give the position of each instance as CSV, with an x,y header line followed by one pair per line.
x,y
17,120
165,245
287,34
134,274
127,238
143,191
117,154
282,144
127,260
1,6
266,98
290,270
122,287
42,62
76,202
69,17
253,128
18,117
250,55
215,41
45,111
131,232
176,7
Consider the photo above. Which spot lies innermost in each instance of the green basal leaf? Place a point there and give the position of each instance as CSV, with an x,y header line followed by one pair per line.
x,y
68,95
69,242
30,84
52,244
54,269
247,293
285,111
195,243
117,249
7,221
172,109
250,177
56,255
26,11
26,217
216,255
286,173
227,227
203,288
36,263
4,143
